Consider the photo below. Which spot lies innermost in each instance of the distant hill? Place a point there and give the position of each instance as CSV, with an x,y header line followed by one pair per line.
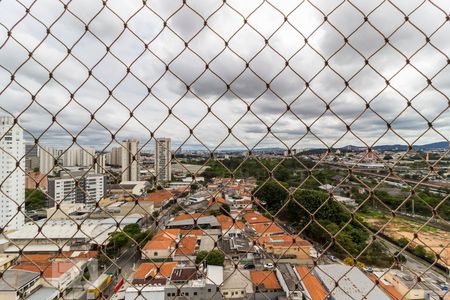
x,y
396,147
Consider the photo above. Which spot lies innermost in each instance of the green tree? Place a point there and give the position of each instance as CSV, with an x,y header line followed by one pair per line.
x,y
132,230
402,242
214,257
118,240
273,194
201,256
35,199
420,251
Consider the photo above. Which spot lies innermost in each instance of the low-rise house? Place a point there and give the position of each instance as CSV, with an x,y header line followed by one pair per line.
x,y
18,284
405,284
289,282
265,229
237,285
190,221
159,198
255,217
230,227
59,274
266,283
153,273
158,249
285,245
313,289
187,248
386,286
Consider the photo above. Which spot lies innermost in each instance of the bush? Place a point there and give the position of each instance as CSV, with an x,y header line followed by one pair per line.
x,y
214,257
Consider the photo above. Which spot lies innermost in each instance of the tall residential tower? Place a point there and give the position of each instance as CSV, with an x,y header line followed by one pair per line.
x,y
12,176
163,159
130,160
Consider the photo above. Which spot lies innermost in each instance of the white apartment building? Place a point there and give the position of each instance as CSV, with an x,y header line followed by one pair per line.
x,y
163,166
116,156
100,165
12,179
130,160
78,156
47,156
91,188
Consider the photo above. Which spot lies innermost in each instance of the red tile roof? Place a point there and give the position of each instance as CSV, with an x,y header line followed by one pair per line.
x,y
159,244
283,240
266,228
186,246
158,196
266,278
254,217
226,222
146,270
312,284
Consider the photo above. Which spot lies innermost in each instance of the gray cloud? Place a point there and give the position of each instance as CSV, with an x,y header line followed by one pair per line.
x,y
226,65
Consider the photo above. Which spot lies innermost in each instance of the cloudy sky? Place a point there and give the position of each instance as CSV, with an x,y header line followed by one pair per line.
x,y
246,60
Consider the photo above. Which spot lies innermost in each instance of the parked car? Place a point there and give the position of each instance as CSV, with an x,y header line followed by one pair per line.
x,y
268,266
333,258
249,266
368,269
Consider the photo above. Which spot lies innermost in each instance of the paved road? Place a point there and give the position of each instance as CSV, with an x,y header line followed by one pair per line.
x,y
417,266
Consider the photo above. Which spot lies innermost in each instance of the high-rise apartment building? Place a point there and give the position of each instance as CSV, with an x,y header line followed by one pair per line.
x,y
47,157
12,178
116,156
91,188
100,165
78,156
31,156
163,157
130,160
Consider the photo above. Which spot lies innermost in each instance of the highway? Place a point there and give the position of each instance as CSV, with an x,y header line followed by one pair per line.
x,y
392,178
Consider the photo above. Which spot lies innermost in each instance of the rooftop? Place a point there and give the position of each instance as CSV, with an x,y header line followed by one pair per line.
x,y
44,293
226,222
353,283
283,240
184,274
186,246
150,269
53,269
289,277
214,275
237,280
313,286
254,217
159,244
15,279
158,196
266,228
267,279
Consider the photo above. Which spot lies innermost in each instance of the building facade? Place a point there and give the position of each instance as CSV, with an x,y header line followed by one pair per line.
x,y
91,188
130,160
163,159
12,177
47,158
100,165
